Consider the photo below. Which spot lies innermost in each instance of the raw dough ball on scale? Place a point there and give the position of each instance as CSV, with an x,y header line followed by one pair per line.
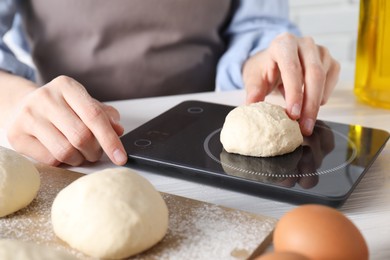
x,y
260,129
19,181
114,213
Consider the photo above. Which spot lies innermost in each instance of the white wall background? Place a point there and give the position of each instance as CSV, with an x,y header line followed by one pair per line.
x,y
334,24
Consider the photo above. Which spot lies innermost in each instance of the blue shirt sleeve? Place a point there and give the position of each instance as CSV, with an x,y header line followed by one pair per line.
x,y
254,25
8,60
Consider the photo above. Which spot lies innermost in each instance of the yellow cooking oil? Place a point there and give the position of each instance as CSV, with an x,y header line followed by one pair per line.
x,y
372,74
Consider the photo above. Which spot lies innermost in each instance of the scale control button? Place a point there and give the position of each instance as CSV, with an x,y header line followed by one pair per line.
x,y
195,110
142,142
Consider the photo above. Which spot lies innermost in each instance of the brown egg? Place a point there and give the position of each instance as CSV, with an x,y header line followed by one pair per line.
x,y
319,232
282,256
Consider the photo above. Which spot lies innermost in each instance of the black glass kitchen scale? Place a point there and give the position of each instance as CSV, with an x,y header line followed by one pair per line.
x,y
184,142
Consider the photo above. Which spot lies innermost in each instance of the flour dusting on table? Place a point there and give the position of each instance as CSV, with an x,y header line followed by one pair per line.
x,y
197,230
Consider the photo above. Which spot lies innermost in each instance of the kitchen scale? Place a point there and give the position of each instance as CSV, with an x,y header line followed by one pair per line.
x,y
184,142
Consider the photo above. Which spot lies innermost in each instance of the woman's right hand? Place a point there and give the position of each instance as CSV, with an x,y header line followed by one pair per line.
x,y
61,123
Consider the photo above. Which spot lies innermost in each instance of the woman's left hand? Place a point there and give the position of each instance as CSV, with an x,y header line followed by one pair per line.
x,y
304,72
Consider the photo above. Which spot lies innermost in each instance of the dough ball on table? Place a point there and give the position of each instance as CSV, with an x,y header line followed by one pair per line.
x,y
260,129
19,181
114,213
14,249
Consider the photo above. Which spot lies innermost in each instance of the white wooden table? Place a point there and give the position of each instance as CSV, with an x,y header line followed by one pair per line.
x,y
368,207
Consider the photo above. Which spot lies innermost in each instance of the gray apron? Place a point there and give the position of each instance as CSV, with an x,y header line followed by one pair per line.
x,y
121,49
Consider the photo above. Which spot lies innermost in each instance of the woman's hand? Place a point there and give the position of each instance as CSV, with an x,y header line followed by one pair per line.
x,y
61,123
305,74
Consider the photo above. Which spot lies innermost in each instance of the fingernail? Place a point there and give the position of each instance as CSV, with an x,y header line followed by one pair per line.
x,y
308,125
296,110
254,94
119,156
115,121
249,98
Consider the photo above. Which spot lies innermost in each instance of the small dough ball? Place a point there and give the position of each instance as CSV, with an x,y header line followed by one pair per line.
x,y
19,181
114,213
14,249
260,129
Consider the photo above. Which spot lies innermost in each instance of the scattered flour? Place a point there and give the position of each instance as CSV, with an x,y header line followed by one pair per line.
x,y
196,230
